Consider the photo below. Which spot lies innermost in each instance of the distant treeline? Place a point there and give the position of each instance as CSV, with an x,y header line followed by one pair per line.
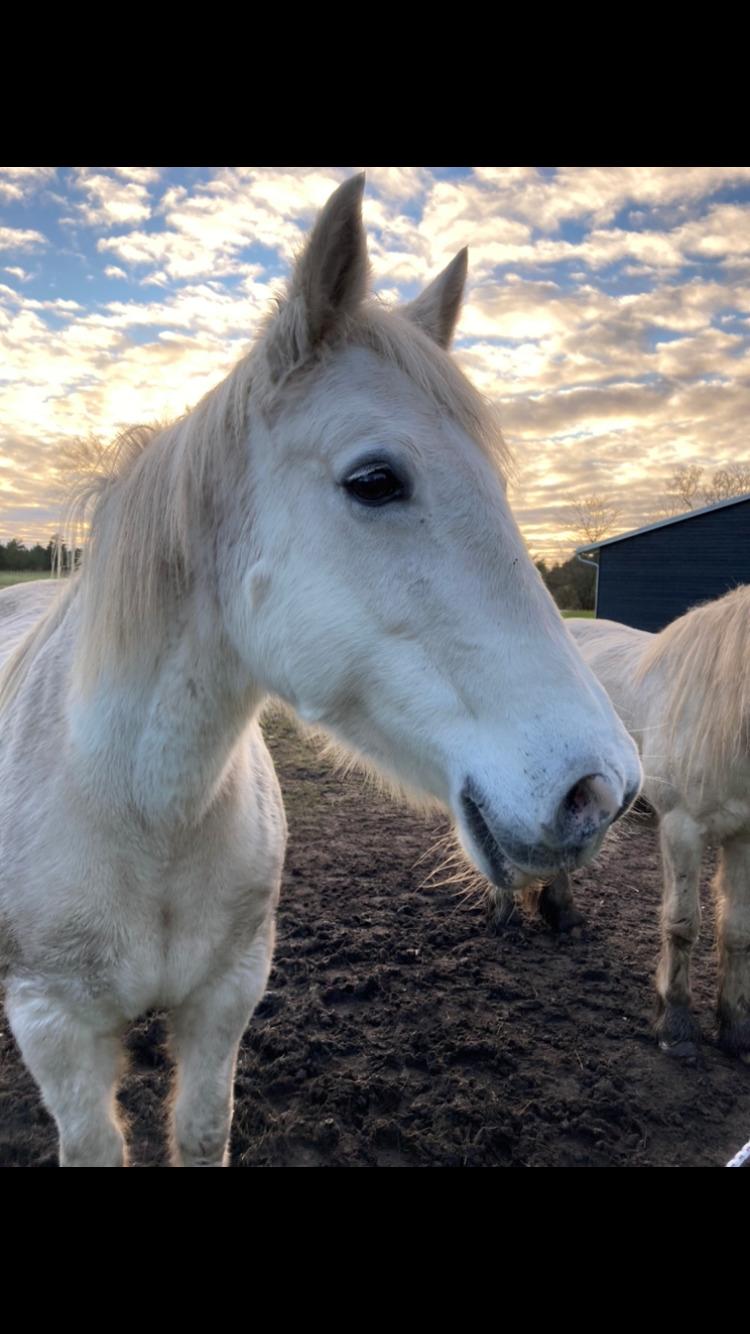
x,y
572,585
17,556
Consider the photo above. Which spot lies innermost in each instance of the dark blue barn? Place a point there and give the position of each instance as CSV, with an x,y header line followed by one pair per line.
x,y
648,577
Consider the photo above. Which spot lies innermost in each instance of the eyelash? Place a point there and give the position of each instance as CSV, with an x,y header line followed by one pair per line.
x,y
378,485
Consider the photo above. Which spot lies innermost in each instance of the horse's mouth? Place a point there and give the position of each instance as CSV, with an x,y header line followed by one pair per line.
x,y
510,862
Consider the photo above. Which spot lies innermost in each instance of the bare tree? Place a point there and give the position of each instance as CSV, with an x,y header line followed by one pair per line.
x,y
591,519
688,490
684,487
727,482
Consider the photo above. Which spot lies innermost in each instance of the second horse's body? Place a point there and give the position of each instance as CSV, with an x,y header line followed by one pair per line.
x,y
684,695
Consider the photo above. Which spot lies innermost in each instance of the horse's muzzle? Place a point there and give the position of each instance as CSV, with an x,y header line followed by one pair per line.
x,y
569,840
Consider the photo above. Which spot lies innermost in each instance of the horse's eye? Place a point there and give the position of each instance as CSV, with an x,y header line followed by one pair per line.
x,y
375,485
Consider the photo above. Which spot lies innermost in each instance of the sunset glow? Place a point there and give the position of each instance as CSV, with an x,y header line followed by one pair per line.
x,y
607,311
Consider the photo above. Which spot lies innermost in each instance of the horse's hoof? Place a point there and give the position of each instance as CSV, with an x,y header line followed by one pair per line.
x,y
556,907
569,921
686,1050
734,1037
678,1033
561,920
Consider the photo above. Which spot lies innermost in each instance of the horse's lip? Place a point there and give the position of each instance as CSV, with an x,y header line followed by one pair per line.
x,y
512,858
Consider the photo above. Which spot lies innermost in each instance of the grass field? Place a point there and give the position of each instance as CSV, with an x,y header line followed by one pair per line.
x,y
589,614
8,577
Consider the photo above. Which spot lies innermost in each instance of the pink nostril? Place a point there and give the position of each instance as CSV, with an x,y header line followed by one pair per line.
x,y
589,804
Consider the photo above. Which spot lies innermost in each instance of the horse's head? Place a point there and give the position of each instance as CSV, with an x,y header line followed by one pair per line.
x,y
388,595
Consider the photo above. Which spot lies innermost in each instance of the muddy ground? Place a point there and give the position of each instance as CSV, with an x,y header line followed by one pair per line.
x,y
400,1030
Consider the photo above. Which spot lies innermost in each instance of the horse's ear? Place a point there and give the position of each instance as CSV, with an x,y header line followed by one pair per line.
x,y
329,280
436,309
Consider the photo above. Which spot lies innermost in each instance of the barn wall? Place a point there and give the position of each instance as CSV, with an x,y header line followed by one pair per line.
x,y
648,580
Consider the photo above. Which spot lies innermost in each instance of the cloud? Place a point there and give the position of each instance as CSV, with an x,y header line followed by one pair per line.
x,y
608,309
203,232
598,194
20,183
141,175
20,238
111,202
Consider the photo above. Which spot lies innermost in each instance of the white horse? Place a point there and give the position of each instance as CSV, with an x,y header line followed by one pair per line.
x,y
684,695
328,525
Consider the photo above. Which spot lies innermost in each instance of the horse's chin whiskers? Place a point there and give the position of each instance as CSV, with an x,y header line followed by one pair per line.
x,y
443,841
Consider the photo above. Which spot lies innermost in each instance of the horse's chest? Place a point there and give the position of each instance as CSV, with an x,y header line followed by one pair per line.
x,y
186,928
168,955
134,930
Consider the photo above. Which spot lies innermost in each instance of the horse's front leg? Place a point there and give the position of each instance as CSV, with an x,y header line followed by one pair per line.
x,y
206,1032
733,886
77,1066
682,850
556,905
501,906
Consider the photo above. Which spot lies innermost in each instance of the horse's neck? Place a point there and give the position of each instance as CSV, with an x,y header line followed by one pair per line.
x,y
164,739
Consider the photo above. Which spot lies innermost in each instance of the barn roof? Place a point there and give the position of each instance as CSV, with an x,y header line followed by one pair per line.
x,y
663,523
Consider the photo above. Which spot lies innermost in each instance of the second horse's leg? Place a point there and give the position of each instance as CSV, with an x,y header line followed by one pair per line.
x,y
682,850
733,886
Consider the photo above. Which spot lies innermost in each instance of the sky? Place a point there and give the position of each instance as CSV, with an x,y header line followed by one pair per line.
x,y
607,311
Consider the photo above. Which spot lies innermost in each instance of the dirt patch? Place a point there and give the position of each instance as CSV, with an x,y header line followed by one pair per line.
x,y
400,1031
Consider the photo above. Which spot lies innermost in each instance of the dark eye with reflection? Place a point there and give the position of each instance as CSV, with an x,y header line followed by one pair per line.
x,y
376,484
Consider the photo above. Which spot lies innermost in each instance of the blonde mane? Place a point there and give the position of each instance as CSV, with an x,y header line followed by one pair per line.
x,y
151,500
705,657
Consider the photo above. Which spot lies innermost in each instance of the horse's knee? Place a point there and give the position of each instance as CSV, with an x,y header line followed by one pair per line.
x,y
682,932
206,1147
77,1069
100,1146
200,1129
